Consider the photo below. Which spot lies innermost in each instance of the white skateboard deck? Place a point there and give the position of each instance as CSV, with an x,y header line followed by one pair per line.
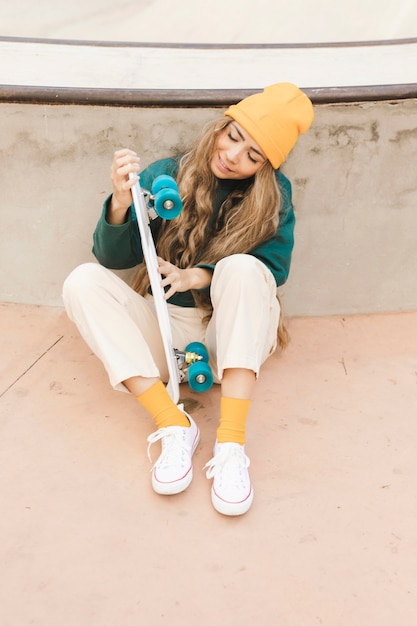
x,y
149,253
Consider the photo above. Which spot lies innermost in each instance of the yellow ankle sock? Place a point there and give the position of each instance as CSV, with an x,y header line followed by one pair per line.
x,y
157,401
233,414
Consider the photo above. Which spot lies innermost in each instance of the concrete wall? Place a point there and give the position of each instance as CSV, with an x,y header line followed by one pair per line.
x,y
354,184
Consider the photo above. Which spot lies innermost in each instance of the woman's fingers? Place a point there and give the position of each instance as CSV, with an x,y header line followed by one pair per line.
x,y
125,163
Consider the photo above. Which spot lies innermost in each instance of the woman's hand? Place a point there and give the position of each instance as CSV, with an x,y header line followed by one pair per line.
x,y
124,162
179,280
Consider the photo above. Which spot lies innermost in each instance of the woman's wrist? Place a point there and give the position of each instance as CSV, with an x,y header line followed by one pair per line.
x,y
200,277
116,212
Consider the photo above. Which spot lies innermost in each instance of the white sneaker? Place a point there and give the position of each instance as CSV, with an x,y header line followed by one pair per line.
x,y
232,491
173,471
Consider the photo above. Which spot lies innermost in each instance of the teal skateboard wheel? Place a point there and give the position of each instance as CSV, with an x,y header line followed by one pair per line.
x,y
168,204
163,181
200,376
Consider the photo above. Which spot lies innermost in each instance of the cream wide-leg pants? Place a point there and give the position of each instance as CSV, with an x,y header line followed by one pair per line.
x,y
121,327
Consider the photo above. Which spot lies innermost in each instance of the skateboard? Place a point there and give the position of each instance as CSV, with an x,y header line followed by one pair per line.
x,y
163,201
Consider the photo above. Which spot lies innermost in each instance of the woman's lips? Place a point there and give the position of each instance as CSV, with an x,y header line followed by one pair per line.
x,y
223,166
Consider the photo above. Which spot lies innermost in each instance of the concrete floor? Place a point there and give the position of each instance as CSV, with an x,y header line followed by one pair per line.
x,y
331,538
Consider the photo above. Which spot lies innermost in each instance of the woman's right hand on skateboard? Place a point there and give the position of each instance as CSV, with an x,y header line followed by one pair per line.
x,y
124,163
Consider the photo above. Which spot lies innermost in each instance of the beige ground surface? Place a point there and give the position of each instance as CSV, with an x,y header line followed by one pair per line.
x,y
196,21
331,539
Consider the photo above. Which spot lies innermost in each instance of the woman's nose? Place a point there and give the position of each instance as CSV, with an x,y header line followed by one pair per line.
x,y
233,153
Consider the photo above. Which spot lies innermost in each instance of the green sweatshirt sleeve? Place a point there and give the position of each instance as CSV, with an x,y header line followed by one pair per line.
x,y
119,247
276,252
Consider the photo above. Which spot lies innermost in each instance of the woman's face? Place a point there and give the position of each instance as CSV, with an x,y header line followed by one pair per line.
x,y
236,155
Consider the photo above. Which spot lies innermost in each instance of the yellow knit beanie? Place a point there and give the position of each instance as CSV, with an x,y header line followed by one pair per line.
x,y
274,118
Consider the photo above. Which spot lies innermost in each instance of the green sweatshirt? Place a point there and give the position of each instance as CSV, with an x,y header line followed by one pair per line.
x,y
119,247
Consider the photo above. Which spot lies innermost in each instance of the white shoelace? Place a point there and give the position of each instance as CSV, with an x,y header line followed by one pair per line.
x,y
228,456
172,439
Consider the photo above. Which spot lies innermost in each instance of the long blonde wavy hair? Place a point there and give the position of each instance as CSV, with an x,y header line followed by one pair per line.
x,y
248,217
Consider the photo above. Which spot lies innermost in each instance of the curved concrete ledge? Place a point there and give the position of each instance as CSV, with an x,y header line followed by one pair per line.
x,y
196,98
77,72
